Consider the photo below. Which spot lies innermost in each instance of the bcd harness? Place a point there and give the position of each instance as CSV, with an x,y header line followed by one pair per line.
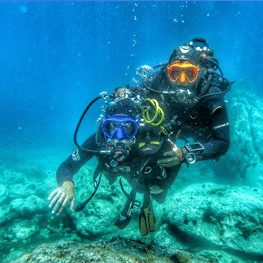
x,y
156,121
139,181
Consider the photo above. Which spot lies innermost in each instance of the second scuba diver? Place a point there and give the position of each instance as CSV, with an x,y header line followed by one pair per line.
x,y
127,146
190,89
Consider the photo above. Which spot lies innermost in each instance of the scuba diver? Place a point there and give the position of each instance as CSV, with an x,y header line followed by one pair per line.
x,y
190,90
127,144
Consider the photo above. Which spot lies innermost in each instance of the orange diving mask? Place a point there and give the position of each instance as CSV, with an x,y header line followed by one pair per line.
x,y
182,72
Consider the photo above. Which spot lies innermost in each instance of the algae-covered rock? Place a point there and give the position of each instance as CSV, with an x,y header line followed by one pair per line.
x,y
218,216
23,230
3,193
114,251
28,206
244,158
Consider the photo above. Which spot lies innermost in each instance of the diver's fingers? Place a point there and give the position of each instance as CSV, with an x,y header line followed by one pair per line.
x,y
168,162
175,149
55,198
170,165
171,153
53,193
171,142
66,200
72,204
59,202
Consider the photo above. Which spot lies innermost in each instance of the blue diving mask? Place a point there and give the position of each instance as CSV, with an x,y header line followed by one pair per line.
x,y
119,127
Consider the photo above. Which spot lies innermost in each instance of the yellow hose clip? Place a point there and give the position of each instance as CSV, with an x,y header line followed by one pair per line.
x,y
153,114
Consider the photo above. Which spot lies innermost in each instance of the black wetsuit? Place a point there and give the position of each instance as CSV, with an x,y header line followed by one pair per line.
x,y
140,167
205,121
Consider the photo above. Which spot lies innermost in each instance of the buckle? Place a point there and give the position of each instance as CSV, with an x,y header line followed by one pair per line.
x,y
190,158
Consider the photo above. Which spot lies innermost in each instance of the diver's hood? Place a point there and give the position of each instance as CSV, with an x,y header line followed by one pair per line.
x,y
184,53
125,106
191,54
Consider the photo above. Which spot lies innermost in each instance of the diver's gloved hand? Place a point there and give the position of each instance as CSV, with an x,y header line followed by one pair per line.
x,y
61,196
173,157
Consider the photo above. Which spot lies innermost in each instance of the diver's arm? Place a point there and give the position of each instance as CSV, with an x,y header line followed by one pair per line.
x,y
75,161
64,194
219,144
220,135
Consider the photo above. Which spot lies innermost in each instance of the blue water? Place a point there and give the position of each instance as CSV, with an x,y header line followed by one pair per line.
x,y
57,56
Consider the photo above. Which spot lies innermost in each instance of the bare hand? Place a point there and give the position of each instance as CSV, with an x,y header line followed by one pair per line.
x,y
61,196
174,157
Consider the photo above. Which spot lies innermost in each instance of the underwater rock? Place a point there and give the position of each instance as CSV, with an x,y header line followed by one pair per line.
x,y
257,130
115,251
3,193
23,184
23,230
98,217
244,158
10,177
28,206
5,215
22,209
219,217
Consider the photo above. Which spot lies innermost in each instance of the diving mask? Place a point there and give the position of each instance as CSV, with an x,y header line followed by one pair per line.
x,y
119,127
182,72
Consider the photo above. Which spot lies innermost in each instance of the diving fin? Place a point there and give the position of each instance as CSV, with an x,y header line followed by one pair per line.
x,y
122,222
146,219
